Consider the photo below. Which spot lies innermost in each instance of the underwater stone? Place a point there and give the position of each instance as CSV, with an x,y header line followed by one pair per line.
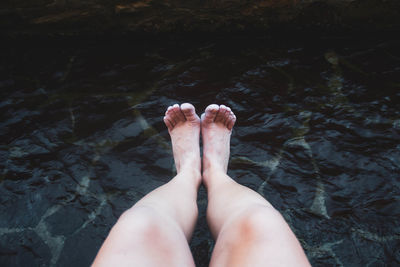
x,y
88,240
66,220
23,249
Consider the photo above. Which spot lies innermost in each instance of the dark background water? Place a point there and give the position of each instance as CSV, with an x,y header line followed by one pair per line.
x,y
82,139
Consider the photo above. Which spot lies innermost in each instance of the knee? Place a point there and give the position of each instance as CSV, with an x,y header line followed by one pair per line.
x,y
143,221
259,222
144,229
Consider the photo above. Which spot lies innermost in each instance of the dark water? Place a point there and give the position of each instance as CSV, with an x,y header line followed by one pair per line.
x,y
82,139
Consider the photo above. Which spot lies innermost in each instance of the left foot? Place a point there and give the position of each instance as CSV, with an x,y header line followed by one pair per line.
x,y
184,128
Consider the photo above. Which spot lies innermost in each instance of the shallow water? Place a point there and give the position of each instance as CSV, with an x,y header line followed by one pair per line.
x,y
82,135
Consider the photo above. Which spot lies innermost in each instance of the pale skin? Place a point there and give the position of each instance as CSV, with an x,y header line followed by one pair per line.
x,y
156,230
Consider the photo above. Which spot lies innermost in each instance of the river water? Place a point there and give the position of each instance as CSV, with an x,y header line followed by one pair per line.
x,y
82,139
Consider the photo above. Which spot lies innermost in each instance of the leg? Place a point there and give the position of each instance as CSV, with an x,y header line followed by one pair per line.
x,y
247,229
156,230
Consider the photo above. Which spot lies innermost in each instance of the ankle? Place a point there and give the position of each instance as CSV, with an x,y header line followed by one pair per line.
x,y
214,175
214,165
192,170
213,169
187,161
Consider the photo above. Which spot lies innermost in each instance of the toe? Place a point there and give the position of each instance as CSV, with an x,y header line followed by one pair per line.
x,y
170,115
210,113
202,116
168,110
178,115
220,117
168,123
231,121
189,112
227,116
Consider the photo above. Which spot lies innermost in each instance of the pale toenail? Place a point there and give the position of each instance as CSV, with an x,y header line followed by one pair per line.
x,y
187,107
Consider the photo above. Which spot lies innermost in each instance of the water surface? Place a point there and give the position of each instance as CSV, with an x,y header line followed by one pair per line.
x,y
82,135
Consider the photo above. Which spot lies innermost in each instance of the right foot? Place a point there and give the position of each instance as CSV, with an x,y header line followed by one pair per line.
x,y
216,128
184,128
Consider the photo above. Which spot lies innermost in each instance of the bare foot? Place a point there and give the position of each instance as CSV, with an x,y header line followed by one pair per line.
x,y
184,128
216,128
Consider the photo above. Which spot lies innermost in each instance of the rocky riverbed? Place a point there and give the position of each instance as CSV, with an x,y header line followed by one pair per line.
x,y
82,135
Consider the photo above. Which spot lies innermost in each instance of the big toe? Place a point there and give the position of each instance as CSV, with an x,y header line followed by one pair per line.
x,y
189,112
210,113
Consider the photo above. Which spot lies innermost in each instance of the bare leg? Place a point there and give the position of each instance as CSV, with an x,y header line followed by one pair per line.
x,y
247,229
156,230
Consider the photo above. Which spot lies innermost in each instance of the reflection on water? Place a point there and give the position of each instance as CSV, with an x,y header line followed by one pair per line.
x,y
317,134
